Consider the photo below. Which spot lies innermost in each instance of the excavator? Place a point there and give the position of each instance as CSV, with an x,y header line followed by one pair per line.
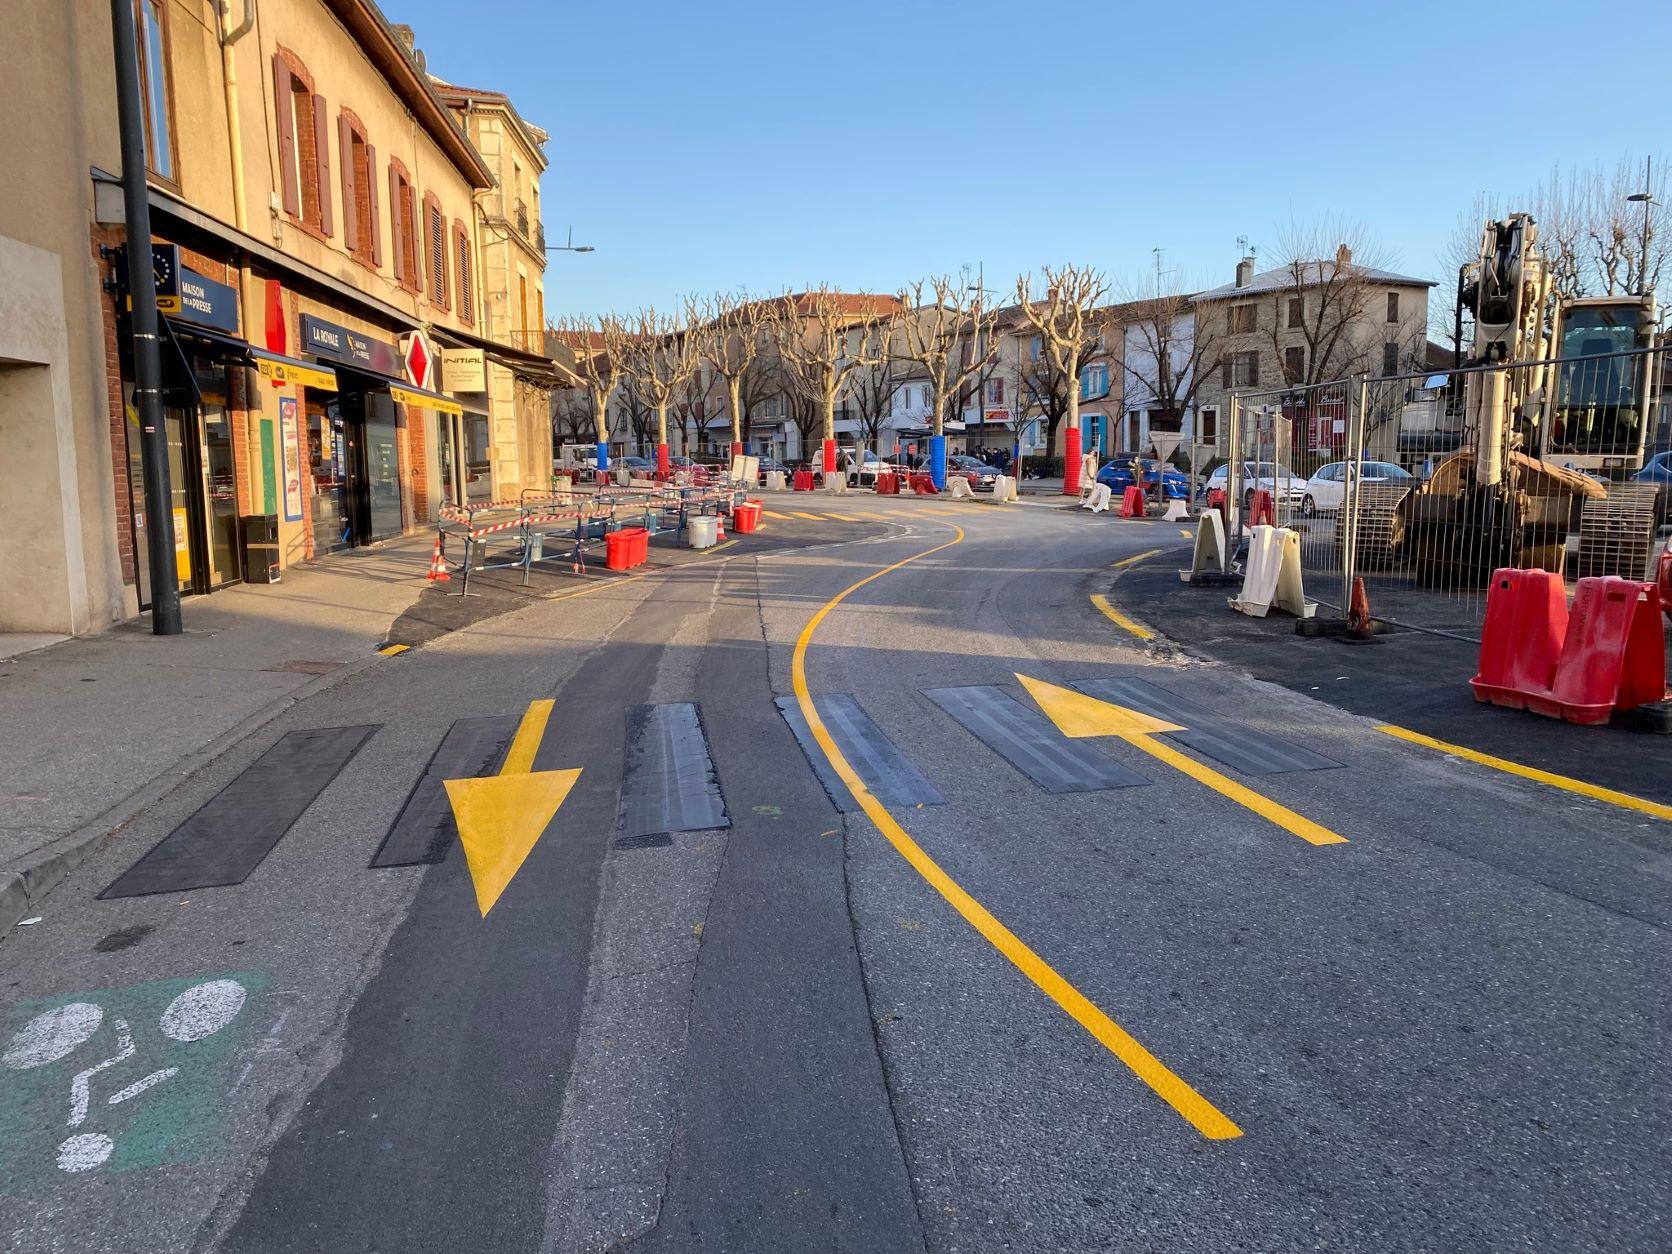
x,y
1546,408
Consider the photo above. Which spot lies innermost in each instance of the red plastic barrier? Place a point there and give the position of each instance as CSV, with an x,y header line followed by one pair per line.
x,y
746,517
1614,656
888,484
1664,580
641,545
604,478
1132,503
803,481
621,548
923,485
1526,619
1261,509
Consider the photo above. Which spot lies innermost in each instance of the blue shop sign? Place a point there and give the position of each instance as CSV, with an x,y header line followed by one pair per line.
x,y
338,343
207,302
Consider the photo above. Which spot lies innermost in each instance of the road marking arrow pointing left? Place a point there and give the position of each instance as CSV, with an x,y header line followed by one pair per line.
x,y
1078,716
500,817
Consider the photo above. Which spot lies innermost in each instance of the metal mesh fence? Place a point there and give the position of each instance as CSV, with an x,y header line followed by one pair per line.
x,y
1425,484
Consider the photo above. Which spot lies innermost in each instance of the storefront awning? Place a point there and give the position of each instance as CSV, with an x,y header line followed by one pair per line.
x,y
402,391
275,366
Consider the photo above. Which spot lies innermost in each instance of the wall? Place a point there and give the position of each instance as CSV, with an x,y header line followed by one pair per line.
x,y
60,571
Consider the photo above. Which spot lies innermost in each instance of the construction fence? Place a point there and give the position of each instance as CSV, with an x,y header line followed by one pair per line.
x,y
1424,484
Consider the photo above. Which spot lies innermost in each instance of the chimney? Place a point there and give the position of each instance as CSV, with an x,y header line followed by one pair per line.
x,y
1343,257
1245,271
409,41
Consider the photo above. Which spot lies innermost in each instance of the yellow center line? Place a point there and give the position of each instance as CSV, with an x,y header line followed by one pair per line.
x,y
1121,620
1133,560
519,758
1567,783
772,513
813,517
1196,1109
1265,807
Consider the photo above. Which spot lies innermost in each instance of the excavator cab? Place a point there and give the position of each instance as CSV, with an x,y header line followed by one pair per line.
x,y
1600,404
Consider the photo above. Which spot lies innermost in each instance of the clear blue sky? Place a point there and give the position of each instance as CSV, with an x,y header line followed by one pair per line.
x,y
770,144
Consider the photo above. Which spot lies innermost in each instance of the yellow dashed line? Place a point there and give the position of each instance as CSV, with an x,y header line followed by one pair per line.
x,y
1133,561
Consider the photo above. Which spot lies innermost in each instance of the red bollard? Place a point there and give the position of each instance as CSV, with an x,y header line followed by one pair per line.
x,y
830,457
1071,462
1521,638
661,459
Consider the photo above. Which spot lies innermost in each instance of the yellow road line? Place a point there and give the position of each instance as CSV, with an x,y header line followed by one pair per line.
x,y
802,514
1134,560
1565,782
1121,620
519,759
393,650
1265,807
1183,531
772,513
1196,1109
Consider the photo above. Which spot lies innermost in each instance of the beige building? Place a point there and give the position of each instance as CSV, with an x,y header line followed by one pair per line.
x,y
511,242
315,238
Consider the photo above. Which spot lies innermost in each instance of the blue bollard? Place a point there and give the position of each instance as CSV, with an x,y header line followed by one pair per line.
x,y
937,461
603,455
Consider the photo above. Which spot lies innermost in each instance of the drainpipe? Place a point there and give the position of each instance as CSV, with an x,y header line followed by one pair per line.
x,y
142,328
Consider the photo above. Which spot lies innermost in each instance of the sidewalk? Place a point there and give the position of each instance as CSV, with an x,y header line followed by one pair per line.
x,y
94,729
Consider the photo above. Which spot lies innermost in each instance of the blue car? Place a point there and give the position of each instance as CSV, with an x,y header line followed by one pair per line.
x,y
1117,476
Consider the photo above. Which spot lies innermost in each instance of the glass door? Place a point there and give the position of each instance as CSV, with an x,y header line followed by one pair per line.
x,y
219,480
328,460
382,467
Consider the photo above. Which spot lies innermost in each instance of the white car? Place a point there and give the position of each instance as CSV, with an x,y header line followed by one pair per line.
x,y
1285,487
1326,490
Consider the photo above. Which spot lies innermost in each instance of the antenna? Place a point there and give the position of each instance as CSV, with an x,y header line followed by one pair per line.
x,y
1247,249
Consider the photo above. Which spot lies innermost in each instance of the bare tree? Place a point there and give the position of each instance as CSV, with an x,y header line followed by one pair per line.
x,y
872,388
593,356
822,341
694,407
737,331
1070,329
662,354
1167,354
572,415
943,328
641,418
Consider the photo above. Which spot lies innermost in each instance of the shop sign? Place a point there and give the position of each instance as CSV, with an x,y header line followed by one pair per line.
x,y
464,370
291,436
419,359
338,343
184,293
995,416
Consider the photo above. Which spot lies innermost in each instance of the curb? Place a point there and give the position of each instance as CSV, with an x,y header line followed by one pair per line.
x,y
45,868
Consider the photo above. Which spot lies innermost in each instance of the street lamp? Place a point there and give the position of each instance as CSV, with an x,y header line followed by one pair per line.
x,y
571,246
1647,199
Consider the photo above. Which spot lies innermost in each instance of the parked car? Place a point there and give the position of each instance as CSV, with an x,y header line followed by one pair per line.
x,y
1285,487
768,465
976,472
1325,490
641,467
1116,475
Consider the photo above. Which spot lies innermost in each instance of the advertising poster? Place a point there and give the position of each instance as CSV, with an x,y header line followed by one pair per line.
x,y
291,436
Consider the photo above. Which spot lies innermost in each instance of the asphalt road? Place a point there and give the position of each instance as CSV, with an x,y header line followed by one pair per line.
x,y
1026,993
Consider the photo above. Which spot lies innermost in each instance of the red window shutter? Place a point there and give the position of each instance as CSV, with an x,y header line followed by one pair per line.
x,y
397,245
322,159
288,189
371,195
351,201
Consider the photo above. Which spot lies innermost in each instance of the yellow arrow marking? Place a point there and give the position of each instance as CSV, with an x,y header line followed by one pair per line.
x,y
500,817
1077,716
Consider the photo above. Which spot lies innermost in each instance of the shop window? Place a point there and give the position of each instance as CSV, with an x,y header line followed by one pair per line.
x,y
403,227
304,145
435,250
156,86
359,186
465,271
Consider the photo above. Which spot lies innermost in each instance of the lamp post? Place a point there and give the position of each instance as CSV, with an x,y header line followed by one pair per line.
x,y
570,246
1646,198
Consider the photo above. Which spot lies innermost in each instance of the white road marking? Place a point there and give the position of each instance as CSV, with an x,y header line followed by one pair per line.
x,y
85,1151
53,1034
202,1010
79,1085
139,1086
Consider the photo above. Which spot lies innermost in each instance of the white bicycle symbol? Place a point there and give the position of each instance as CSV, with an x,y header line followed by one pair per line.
x,y
199,1012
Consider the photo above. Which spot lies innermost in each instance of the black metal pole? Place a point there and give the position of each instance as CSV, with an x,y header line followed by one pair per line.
x,y
142,323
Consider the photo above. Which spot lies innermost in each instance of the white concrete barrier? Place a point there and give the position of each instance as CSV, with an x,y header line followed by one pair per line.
x,y
1209,556
1177,511
775,481
1272,576
958,488
1097,500
1004,488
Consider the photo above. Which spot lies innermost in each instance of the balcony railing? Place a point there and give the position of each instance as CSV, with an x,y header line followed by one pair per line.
x,y
519,215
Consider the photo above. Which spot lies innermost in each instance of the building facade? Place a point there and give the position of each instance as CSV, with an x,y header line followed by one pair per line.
x,y
313,211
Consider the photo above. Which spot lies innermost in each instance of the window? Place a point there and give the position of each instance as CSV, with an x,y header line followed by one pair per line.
x,y
361,233
1240,370
1241,319
1209,426
403,227
521,335
1297,311
435,250
155,87
995,392
1294,364
1094,381
1390,358
304,145
1035,346
1393,306
465,272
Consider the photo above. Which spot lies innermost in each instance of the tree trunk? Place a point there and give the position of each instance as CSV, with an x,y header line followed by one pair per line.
x,y
830,433
1071,442
601,420
662,438
736,385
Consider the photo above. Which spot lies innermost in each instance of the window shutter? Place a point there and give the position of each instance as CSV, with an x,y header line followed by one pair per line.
x,y
322,160
371,197
438,257
1254,370
291,194
351,201
1225,373
397,245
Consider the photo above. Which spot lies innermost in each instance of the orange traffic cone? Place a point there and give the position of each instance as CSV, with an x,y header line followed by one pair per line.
x,y
1359,623
719,524
438,564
